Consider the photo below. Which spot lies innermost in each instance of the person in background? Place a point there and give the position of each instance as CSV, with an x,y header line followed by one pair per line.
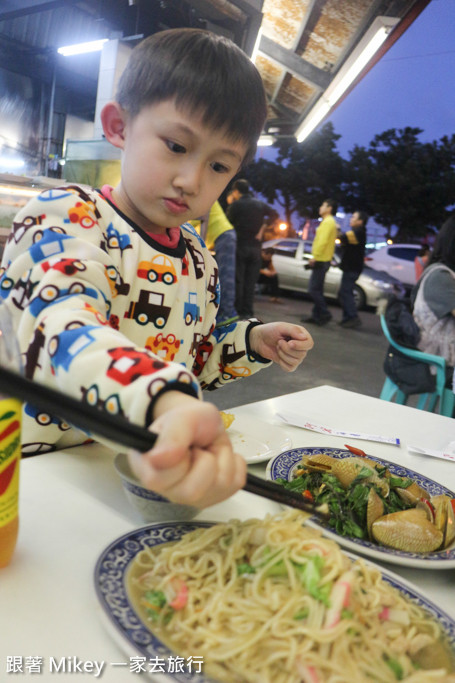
x,y
113,293
433,298
219,236
322,252
268,275
352,259
421,260
248,215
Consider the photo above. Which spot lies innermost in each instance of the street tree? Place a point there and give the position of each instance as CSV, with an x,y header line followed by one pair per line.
x,y
303,175
401,181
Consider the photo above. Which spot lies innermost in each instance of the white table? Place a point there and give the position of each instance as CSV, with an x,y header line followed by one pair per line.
x,y
72,506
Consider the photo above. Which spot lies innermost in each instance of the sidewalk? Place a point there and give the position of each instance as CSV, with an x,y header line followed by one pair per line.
x,y
347,358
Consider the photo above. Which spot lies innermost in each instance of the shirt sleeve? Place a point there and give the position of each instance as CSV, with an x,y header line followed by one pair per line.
x,y
350,238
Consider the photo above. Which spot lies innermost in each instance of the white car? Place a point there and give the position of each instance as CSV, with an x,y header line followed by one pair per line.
x,y
397,260
290,256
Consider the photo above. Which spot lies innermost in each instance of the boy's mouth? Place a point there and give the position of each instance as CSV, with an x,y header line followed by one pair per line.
x,y
175,206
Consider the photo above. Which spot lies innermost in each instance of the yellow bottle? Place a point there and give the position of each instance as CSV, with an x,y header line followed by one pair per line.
x,y
10,453
10,442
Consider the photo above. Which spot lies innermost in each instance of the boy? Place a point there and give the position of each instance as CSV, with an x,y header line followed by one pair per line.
x,y
114,303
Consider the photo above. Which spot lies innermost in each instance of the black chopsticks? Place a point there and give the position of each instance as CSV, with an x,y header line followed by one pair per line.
x,y
117,429
277,493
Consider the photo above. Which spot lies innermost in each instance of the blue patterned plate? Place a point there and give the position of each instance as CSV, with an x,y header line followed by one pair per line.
x,y
284,466
134,637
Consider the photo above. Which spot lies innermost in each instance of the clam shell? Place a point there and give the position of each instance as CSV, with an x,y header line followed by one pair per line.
x,y
375,509
407,530
320,462
450,526
347,469
440,510
412,494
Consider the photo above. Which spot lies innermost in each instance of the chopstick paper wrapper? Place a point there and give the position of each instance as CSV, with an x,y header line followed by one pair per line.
x,y
298,421
448,453
117,429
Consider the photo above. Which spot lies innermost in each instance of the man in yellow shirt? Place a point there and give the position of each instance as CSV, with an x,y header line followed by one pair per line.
x,y
322,252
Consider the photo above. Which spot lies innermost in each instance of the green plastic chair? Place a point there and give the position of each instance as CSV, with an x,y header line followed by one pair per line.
x,y
390,390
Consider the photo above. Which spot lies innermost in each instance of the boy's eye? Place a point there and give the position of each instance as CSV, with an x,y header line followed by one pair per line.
x,y
175,147
219,168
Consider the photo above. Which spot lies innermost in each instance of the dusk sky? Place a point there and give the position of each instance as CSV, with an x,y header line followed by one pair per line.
x,y
412,85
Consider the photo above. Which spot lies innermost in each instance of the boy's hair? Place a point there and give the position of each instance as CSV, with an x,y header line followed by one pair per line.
x,y
241,186
333,205
202,71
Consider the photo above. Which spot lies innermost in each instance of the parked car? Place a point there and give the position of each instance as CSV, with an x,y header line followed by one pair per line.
x,y
397,260
290,256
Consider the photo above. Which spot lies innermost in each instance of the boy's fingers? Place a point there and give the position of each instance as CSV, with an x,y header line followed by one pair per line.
x,y
208,482
297,333
202,479
159,479
290,362
199,479
306,343
176,435
290,353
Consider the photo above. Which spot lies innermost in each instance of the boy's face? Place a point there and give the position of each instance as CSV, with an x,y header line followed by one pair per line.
x,y
173,167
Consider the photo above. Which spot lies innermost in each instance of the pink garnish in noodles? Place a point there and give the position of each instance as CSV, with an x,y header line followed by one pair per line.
x,y
308,673
339,598
180,594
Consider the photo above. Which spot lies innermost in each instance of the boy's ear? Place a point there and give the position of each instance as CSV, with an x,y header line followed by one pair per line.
x,y
113,118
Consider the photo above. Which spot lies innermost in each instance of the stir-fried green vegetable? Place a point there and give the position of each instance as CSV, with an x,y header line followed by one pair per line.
x,y
348,507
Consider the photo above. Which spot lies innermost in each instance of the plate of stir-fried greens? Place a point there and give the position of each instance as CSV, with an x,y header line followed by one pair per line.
x,y
376,507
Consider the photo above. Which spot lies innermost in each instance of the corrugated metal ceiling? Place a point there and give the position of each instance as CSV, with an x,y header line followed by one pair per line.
x,y
304,43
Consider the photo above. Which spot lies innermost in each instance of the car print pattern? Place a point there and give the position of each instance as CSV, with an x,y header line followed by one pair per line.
x,y
111,315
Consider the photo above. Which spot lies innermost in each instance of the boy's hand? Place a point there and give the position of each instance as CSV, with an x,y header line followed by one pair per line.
x,y
284,343
192,462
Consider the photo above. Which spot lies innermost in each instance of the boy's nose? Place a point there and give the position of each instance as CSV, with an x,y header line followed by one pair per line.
x,y
188,179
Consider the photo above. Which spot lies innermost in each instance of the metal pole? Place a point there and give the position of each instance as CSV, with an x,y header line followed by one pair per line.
x,y
51,118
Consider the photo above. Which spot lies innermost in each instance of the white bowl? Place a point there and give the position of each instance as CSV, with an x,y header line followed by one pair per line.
x,y
151,506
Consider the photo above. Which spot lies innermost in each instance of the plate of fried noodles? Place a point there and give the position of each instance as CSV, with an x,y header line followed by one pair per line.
x,y
377,508
266,601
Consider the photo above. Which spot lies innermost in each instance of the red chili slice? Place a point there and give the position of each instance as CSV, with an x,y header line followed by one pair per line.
x,y
356,451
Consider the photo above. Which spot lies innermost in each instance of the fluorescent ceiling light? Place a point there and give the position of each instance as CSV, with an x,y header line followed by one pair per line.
x,y
357,61
11,162
266,140
81,48
314,118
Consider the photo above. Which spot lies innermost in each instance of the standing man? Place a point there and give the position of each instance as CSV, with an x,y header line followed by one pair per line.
x,y
249,216
322,250
219,236
352,260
